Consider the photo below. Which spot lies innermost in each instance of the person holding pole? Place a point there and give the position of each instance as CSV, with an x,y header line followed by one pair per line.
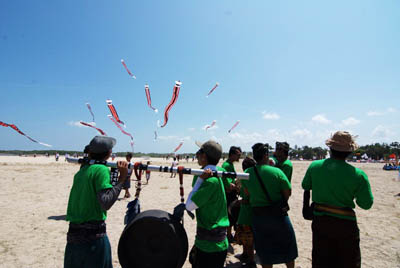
x,y
209,201
90,197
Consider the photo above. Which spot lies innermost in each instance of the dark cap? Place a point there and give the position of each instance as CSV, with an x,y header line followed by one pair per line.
x,y
212,149
101,144
282,146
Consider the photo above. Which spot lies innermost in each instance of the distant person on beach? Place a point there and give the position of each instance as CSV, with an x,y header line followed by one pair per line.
x,y
269,190
209,201
231,190
127,184
174,163
281,159
90,197
57,156
335,185
148,173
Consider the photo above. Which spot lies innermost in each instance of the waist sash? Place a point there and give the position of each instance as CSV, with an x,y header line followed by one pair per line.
x,y
214,235
344,211
86,232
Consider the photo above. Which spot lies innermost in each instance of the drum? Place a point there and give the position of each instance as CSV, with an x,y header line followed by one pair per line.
x,y
153,239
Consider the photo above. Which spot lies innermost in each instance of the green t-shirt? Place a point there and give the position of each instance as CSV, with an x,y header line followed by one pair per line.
x,y
195,176
211,212
245,213
229,168
337,183
274,181
83,205
286,167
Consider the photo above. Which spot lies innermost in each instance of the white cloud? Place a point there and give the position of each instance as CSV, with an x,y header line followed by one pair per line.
x,y
382,132
191,129
380,113
302,134
270,116
351,121
78,124
320,118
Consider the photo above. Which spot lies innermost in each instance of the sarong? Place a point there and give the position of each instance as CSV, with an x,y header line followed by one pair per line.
x,y
336,243
274,239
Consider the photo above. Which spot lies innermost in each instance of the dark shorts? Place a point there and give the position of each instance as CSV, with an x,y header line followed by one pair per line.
x,y
127,184
202,259
95,253
336,243
274,239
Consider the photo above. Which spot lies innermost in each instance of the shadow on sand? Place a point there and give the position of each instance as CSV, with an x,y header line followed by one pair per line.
x,y
57,218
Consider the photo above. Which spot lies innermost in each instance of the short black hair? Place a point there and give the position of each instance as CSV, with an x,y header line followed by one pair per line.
x,y
248,162
259,150
129,155
234,149
99,156
340,155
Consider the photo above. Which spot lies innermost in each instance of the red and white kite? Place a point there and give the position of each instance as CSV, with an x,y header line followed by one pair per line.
x,y
175,94
216,85
22,133
178,147
114,112
90,110
147,89
237,123
126,68
212,124
90,125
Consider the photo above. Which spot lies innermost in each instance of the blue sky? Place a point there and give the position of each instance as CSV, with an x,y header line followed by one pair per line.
x,y
288,70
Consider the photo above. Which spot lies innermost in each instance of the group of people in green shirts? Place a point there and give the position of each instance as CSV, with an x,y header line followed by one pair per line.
x,y
263,224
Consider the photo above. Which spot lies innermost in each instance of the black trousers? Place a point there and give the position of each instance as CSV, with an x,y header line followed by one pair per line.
x,y
336,243
202,259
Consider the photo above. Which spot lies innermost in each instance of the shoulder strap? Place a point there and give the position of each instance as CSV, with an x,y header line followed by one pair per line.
x,y
262,185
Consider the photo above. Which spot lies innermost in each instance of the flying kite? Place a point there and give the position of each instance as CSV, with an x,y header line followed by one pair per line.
x,y
175,94
120,128
90,125
126,68
155,135
22,133
216,85
178,147
114,112
147,89
237,123
212,124
90,110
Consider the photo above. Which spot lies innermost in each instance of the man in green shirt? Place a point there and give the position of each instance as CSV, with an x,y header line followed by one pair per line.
x,y
209,201
231,190
90,197
281,159
335,185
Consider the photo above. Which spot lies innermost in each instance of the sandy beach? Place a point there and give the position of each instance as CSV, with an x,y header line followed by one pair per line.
x,y
34,198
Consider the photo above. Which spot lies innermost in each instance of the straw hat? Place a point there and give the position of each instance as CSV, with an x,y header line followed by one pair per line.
x,y
342,141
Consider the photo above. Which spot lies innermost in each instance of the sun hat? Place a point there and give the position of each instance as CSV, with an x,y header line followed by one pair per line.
x,y
101,144
342,141
212,149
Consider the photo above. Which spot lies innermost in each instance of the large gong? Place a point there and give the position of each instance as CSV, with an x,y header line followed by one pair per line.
x,y
153,239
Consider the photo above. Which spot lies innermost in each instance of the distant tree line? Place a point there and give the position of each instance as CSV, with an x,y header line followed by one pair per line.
x,y
375,151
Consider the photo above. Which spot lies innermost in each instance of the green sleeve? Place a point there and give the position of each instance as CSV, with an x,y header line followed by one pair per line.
x,y
284,182
306,184
225,181
205,192
288,171
102,179
364,197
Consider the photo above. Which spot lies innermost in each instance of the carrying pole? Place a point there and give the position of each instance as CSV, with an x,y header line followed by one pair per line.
x,y
165,169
